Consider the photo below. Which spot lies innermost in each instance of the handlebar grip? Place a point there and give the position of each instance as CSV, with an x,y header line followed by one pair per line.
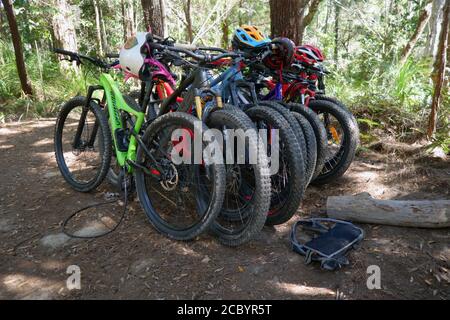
x,y
155,45
223,56
64,52
213,49
185,46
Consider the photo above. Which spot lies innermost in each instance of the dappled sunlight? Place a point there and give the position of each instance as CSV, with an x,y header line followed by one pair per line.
x,y
363,175
184,250
6,146
371,181
31,287
8,131
43,142
47,157
302,290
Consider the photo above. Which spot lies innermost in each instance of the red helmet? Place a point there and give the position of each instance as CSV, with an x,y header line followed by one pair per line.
x,y
308,54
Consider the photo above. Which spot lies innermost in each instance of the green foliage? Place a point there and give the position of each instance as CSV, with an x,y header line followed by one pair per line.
x,y
51,85
366,75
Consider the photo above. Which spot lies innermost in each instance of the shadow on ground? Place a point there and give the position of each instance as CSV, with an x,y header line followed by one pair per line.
x,y
137,262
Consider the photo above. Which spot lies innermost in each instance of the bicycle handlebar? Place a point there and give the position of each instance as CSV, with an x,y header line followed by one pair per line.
x,y
112,55
196,56
77,57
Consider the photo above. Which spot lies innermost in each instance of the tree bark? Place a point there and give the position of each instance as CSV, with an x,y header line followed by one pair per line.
x,y
337,10
98,27
64,27
187,15
435,22
103,31
18,49
313,7
225,31
128,18
363,208
286,17
240,19
154,16
438,73
327,16
423,20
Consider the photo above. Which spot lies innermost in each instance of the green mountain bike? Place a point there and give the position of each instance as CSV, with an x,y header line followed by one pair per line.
x,y
181,200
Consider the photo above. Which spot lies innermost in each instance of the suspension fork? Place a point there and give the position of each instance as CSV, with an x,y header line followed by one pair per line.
x,y
76,140
96,124
146,91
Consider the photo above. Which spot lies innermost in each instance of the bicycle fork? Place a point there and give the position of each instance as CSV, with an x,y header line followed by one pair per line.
x,y
76,142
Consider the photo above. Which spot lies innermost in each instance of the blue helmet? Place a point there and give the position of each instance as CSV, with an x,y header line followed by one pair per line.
x,y
249,37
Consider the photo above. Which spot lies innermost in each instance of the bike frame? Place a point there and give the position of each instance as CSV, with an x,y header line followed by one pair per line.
x,y
225,84
229,82
288,91
115,104
197,85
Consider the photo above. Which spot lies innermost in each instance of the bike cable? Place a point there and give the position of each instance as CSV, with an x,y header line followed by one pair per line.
x,y
73,215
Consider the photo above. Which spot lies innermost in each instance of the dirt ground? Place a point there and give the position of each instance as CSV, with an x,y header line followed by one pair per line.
x,y
136,262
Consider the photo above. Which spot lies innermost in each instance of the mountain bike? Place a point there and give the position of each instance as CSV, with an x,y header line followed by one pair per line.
x,y
181,200
247,195
337,148
290,180
288,183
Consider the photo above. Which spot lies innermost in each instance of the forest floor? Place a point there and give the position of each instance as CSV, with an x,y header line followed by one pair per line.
x,y
136,262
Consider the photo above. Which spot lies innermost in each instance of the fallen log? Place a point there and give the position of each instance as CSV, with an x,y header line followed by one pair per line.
x,y
415,213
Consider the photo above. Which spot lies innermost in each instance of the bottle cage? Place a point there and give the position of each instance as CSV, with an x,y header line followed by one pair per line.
x,y
329,245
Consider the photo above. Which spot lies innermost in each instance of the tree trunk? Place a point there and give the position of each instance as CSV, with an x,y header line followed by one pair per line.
x,y
435,23
439,70
423,20
124,28
313,7
187,15
327,17
286,17
240,19
417,213
225,31
63,27
18,49
337,10
98,27
103,31
128,18
1,23
154,16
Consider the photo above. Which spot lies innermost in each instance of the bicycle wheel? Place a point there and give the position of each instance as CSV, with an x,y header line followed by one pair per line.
x,y
342,137
181,199
296,126
319,132
336,102
247,196
288,183
311,144
84,163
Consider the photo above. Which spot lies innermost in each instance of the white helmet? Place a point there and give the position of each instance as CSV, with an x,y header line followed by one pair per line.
x,y
130,58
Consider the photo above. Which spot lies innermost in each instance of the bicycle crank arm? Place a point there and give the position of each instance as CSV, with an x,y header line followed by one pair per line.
x,y
153,172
